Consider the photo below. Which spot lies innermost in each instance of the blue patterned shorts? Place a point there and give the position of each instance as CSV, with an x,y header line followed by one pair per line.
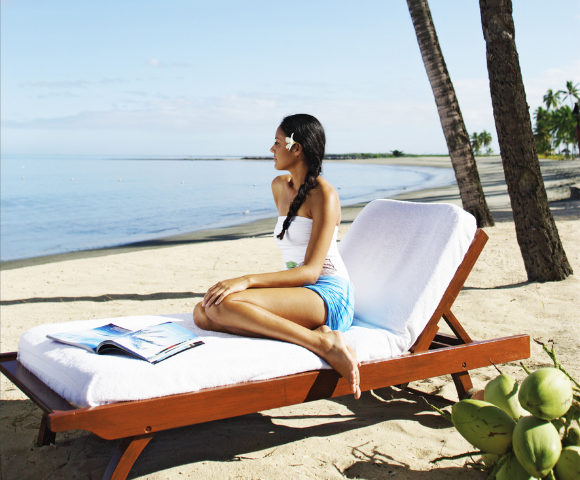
x,y
338,294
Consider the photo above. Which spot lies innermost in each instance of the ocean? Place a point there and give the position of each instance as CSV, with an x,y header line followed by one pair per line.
x,y
60,204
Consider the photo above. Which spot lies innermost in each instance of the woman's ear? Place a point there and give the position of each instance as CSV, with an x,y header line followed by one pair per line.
x,y
297,149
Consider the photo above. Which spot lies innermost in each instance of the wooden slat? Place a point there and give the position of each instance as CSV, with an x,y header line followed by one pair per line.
x,y
453,289
121,420
448,339
47,399
435,345
457,328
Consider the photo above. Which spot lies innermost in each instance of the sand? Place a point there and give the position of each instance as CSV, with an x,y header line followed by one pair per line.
x,y
386,434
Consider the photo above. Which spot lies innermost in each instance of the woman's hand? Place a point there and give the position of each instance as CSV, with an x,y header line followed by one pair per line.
x,y
222,289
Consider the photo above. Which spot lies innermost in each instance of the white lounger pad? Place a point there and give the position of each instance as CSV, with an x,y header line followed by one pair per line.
x,y
401,256
87,379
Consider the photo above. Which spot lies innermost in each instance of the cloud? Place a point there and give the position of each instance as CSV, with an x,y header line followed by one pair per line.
x,y
65,84
241,124
111,80
155,62
57,94
475,102
57,84
554,78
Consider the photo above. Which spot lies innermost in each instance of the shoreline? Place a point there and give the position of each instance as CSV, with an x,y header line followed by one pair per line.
x,y
558,176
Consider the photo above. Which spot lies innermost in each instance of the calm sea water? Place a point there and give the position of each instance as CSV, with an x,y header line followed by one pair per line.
x,y
61,204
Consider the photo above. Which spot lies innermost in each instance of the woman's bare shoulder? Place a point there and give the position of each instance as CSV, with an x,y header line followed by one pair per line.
x,y
279,185
324,198
326,191
281,180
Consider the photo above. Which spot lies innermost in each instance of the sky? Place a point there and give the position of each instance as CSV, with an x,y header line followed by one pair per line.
x,y
216,77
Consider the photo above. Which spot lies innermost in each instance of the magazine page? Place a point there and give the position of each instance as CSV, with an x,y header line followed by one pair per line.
x,y
157,342
91,338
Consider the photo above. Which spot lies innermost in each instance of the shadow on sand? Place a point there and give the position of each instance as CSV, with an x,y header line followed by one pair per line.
x,y
250,437
107,298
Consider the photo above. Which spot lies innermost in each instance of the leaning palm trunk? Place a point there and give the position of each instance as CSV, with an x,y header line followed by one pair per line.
x,y
456,135
544,256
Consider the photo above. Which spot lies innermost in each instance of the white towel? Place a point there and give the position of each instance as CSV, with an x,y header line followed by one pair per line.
x,y
401,256
87,379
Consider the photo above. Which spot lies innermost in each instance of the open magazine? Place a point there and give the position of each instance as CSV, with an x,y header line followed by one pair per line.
x,y
154,343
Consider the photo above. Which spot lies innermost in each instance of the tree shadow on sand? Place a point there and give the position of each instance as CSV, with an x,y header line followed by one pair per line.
x,y
377,464
500,287
107,298
561,210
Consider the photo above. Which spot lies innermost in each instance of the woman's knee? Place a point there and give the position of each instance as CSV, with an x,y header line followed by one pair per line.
x,y
220,313
200,317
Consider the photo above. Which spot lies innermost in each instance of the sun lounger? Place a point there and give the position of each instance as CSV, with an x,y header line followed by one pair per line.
x,y
408,263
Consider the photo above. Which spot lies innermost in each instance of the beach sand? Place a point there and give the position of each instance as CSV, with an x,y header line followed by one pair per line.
x,y
386,434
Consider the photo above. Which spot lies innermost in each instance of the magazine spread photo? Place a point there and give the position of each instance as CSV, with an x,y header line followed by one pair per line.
x,y
153,344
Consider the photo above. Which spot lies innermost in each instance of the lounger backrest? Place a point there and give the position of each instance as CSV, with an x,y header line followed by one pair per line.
x,y
401,256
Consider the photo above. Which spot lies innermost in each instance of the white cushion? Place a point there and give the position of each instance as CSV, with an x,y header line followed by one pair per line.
x,y
87,379
401,256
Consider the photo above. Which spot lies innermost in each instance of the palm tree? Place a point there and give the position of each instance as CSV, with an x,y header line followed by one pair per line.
x,y
571,92
576,113
552,99
456,135
542,251
475,142
485,138
542,131
564,126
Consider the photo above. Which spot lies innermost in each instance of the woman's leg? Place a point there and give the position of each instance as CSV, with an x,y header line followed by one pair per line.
x,y
299,305
293,315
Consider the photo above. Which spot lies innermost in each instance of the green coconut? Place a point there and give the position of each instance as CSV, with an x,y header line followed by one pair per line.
x,y
512,470
573,436
568,467
537,445
502,391
489,459
484,425
546,393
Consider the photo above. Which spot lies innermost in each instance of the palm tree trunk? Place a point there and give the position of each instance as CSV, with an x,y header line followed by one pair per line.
x,y
542,250
456,135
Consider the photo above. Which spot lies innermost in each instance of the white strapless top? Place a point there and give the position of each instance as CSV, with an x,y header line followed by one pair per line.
x,y
295,242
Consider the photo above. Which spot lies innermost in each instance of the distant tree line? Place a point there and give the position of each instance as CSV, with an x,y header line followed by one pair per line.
x,y
556,124
351,156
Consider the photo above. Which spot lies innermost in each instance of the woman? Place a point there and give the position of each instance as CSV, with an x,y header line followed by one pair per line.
x,y
270,304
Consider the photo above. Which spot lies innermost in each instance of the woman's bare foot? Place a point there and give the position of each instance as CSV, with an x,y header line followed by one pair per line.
x,y
341,357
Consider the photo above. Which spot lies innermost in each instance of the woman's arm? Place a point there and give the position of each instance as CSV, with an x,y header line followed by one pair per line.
x,y
324,207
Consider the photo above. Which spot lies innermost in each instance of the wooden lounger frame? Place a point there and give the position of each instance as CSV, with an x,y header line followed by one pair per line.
x,y
136,422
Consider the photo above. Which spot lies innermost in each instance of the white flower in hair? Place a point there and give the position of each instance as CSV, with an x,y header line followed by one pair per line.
x,y
290,141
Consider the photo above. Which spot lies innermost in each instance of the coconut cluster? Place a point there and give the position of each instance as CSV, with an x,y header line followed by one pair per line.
x,y
525,432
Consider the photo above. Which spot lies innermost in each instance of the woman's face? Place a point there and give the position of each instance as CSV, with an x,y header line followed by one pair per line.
x,y
283,159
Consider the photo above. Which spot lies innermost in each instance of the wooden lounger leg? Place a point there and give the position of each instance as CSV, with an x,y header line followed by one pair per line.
x,y
124,457
45,435
463,385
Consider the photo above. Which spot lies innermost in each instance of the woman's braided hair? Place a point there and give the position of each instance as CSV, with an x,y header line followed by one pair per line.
x,y
309,133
